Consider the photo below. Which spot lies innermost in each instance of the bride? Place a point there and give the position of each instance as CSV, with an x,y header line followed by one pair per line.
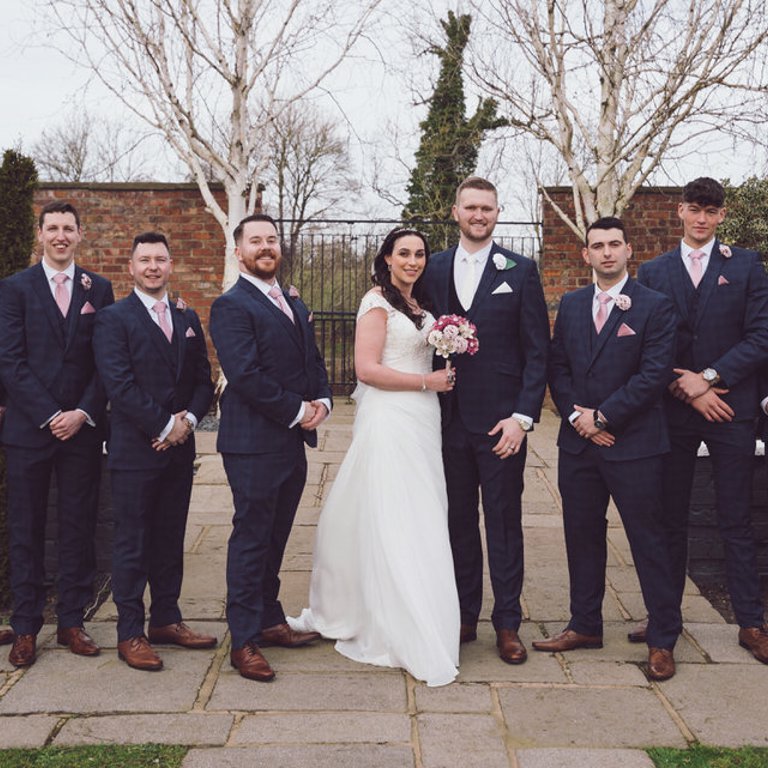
x,y
382,578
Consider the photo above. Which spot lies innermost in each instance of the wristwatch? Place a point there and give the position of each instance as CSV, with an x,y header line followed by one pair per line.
x,y
190,425
711,376
524,425
599,423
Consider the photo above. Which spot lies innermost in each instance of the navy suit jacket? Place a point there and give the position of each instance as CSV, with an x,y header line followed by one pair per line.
x,y
509,372
622,372
271,365
46,361
148,380
729,331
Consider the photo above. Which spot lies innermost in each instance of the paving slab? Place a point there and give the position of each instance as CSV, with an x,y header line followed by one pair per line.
x,y
723,704
207,497
472,741
210,470
62,682
363,692
582,758
321,656
323,728
604,673
720,642
459,697
301,756
587,717
190,728
26,731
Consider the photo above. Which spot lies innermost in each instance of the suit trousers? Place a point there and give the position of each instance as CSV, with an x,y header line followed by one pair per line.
x,y
587,481
731,447
77,464
266,489
150,508
471,466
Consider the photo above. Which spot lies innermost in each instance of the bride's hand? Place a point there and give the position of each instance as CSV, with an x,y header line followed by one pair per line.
x,y
442,380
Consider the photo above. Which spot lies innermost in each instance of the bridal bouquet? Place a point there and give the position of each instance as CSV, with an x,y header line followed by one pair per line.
x,y
453,335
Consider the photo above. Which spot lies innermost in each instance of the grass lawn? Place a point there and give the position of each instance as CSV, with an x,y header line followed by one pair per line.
x,y
710,757
140,756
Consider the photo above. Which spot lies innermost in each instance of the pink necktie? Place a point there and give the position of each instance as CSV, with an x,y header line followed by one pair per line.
x,y
696,257
160,307
277,295
602,310
61,293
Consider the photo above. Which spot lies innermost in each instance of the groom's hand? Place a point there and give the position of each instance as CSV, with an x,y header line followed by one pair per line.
x,y
318,416
512,437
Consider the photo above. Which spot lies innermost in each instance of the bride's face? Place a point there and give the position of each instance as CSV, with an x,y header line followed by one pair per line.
x,y
407,262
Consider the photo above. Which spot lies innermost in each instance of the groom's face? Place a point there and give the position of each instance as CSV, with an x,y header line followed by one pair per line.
x,y
476,211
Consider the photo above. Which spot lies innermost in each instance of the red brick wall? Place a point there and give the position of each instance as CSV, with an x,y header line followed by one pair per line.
x,y
652,228
112,214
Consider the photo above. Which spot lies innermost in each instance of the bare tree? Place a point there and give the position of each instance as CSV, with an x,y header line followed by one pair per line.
x,y
615,87
84,147
213,75
309,169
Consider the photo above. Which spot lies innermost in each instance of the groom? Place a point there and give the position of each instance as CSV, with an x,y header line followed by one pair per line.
x,y
497,398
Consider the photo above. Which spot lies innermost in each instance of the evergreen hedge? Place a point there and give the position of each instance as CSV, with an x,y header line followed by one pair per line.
x,y
18,179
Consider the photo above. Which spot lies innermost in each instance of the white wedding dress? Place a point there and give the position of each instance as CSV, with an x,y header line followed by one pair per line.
x,y
382,578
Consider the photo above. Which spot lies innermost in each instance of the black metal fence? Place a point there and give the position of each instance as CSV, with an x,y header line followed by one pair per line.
x,y
331,268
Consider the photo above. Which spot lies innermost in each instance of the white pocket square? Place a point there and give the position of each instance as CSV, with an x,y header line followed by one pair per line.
x,y
190,333
503,288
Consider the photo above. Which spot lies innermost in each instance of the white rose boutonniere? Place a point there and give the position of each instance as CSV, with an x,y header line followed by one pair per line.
x,y
725,251
623,302
501,262
86,282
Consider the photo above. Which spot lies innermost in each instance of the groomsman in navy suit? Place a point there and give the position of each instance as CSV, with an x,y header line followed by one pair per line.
x,y
610,362
720,295
54,422
152,358
497,399
277,394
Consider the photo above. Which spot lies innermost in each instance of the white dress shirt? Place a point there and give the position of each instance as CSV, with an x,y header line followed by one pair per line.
x,y
686,250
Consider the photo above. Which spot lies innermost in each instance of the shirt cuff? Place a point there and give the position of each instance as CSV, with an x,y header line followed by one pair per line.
x,y
525,419
764,405
88,420
50,419
167,430
575,415
191,416
299,417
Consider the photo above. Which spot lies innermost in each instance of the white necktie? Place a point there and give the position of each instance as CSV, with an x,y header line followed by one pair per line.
x,y
467,289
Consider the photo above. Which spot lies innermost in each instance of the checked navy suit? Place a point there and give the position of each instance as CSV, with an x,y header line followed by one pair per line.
x,y
622,372
148,379
722,324
46,366
272,365
506,376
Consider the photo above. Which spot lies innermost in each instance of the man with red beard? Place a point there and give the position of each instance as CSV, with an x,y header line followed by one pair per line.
x,y
277,394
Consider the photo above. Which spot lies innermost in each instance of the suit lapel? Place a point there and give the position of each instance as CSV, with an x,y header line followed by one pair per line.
x,y
583,326
180,332
75,305
43,291
486,280
709,280
444,281
280,317
152,329
678,278
609,329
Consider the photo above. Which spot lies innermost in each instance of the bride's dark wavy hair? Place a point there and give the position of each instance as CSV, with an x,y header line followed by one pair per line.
x,y
382,277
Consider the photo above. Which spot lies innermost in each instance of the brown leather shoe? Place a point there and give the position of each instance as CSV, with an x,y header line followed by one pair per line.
x,y
467,633
180,634
568,640
6,636
285,637
23,653
250,663
661,664
755,640
638,633
511,648
78,640
136,652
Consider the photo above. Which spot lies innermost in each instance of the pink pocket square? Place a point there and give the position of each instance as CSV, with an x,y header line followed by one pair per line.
x,y
190,333
625,330
722,281
87,309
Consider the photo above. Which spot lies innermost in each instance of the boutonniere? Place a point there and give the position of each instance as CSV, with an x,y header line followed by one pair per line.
x,y
180,303
623,302
86,282
293,292
501,262
725,251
